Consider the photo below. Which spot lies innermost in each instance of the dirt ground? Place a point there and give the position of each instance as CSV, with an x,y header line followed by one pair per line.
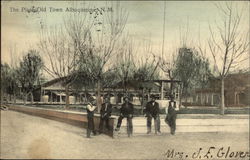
x,y
26,136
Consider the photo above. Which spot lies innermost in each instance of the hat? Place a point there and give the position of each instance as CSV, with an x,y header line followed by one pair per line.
x,y
91,99
171,97
106,98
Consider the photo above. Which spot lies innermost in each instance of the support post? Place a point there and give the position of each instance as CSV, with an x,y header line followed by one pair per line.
x,y
41,94
162,90
212,99
51,98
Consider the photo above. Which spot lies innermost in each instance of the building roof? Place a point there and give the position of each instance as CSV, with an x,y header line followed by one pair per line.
x,y
233,82
164,80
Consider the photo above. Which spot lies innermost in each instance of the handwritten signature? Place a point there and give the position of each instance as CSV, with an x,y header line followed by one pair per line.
x,y
208,153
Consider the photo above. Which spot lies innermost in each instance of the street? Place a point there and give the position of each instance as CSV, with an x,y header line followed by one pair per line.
x,y
26,136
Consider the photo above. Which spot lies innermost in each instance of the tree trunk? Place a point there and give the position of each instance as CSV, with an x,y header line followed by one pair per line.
x,y
235,98
99,96
86,97
212,99
116,99
67,96
14,97
2,95
201,99
142,101
149,95
182,95
171,87
32,98
41,95
10,98
51,98
222,97
179,95
75,98
24,98
207,102
6,96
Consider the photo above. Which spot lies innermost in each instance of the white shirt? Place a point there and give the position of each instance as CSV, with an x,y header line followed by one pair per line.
x,y
172,104
91,107
166,110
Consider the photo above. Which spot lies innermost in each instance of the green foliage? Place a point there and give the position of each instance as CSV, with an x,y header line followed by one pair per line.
x,y
90,65
8,79
125,71
192,69
129,71
5,75
110,79
146,71
29,70
82,81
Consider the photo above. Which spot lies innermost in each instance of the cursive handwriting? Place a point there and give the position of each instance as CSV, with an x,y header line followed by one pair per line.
x,y
208,153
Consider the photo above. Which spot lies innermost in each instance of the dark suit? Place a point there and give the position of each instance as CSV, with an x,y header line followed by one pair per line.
x,y
106,111
152,111
171,117
127,111
90,117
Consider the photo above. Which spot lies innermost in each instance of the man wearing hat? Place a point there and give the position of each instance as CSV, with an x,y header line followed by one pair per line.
x,y
126,111
152,111
171,115
90,116
106,110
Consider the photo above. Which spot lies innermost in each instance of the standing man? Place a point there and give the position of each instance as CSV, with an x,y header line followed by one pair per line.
x,y
171,115
153,111
127,111
106,110
90,116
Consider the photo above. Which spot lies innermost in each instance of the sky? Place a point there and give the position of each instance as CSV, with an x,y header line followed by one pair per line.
x,y
20,30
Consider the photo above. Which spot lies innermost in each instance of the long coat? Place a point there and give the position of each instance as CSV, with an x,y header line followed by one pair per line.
x,y
127,108
171,116
107,110
152,110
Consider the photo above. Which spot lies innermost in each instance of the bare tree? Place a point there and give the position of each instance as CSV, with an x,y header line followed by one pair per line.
x,y
125,66
63,45
135,66
103,42
167,64
146,70
148,63
60,54
229,42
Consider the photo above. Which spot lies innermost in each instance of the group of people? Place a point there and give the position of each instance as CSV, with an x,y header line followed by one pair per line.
x,y
106,111
151,111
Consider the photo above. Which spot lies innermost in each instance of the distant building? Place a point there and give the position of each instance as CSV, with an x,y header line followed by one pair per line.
x,y
53,92
237,91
